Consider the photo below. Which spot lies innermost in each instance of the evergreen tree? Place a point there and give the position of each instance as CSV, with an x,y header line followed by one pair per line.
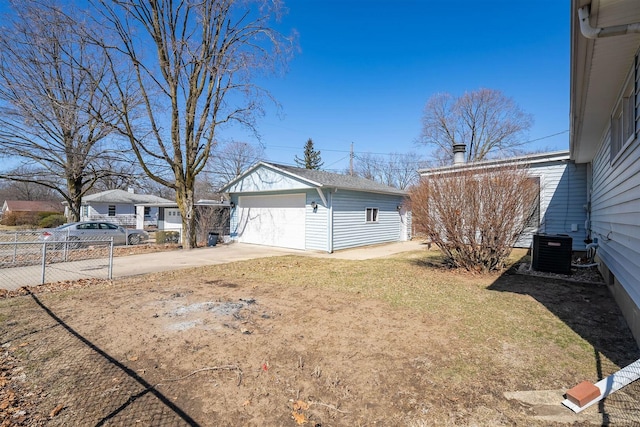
x,y
311,158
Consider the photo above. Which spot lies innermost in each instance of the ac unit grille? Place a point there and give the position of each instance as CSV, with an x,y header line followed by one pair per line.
x,y
552,253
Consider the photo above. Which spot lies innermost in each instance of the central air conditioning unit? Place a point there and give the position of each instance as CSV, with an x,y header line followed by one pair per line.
x,y
552,253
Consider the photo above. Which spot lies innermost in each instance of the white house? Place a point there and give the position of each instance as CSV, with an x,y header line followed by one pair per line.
x,y
563,192
297,208
123,207
604,122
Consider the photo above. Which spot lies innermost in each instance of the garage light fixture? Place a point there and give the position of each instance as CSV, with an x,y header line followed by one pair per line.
x,y
233,205
314,206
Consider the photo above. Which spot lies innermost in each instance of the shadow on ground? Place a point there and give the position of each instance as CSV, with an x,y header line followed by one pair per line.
x,y
110,392
591,312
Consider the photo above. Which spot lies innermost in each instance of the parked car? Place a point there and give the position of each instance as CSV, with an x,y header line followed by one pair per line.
x,y
76,232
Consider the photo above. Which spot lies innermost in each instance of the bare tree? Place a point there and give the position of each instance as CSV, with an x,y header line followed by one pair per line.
x,y
230,160
475,217
192,66
16,190
53,119
396,170
487,121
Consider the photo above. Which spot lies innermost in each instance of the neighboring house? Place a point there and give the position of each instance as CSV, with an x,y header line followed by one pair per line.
x,y
309,209
29,206
122,207
563,192
605,121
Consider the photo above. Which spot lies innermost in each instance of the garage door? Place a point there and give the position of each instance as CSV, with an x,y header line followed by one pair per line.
x,y
272,220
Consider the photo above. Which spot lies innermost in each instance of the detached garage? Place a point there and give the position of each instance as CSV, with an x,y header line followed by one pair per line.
x,y
289,207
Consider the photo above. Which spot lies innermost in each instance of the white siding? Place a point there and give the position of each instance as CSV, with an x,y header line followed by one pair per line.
x,y
265,179
351,229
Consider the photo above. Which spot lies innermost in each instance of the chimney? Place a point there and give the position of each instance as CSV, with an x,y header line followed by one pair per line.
x,y
458,153
130,190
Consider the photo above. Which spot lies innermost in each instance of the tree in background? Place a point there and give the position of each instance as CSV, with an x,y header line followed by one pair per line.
x,y
230,160
53,119
191,66
311,159
487,121
395,170
475,218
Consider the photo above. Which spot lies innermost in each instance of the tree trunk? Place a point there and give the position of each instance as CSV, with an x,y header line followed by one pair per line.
x,y
186,202
75,198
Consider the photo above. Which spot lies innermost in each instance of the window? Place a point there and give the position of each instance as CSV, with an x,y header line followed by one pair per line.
x,y
112,210
372,214
85,211
147,211
534,212
623,120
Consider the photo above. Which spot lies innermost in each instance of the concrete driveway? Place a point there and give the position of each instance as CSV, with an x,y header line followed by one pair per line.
x,y
174,260
133,265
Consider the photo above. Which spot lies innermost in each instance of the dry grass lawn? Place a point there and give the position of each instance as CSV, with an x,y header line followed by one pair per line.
x,y
292,341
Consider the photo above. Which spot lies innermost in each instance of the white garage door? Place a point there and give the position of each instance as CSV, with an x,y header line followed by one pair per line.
x,y
272,220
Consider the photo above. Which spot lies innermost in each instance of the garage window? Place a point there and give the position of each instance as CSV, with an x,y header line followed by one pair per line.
x,y
372,214
112,210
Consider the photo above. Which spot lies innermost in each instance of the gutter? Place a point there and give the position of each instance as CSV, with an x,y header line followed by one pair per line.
x,y
598,32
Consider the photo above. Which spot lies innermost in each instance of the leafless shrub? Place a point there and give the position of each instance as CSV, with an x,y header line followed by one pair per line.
x,y
475,216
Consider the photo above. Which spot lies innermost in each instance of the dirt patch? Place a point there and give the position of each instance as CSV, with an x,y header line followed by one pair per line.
x,y
297,341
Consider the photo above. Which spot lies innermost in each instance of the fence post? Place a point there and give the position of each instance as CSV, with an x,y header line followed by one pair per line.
x,y
15,247
111,260
44,261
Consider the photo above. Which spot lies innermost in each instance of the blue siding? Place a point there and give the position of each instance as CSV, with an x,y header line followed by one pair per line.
x,y
615,215
563,197
317,237
349,222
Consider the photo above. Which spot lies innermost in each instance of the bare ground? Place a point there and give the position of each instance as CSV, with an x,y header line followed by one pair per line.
x,y
301,341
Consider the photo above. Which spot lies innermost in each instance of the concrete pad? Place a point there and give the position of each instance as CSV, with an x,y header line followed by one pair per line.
x,y
546,405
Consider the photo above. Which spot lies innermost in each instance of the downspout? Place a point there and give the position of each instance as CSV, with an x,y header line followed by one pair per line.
x,y
594,33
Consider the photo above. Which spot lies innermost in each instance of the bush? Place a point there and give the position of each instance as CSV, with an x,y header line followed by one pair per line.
x,y
52,220
167,236
475,217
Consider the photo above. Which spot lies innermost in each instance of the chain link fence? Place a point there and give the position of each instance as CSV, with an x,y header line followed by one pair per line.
x,y
26,259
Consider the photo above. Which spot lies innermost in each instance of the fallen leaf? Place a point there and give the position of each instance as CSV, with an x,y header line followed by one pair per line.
x,y
56,410
299,418
24,344
300,405
133,358
246,403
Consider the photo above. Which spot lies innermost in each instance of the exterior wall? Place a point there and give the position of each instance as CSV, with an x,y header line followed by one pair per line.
x,y
126,214
265,179
345,211
563,197
615,209
317,222
349,226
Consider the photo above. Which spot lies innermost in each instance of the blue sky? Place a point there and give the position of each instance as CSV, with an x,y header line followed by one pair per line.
x,y
367,67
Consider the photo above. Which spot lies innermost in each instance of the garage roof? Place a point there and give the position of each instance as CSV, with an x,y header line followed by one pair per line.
x,y
319,179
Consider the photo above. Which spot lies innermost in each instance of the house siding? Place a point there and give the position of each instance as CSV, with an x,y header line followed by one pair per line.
x,y
563,197
265,179
615,209
350,228
317,223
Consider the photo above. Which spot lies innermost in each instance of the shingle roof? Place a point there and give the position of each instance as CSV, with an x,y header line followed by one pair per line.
x,y
329,179
121,196
33,206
